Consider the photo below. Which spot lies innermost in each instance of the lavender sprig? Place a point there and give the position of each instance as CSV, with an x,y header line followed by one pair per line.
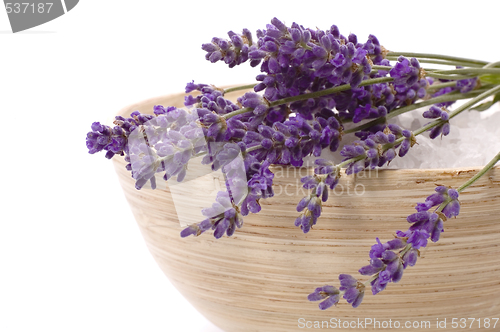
x,y
389,260
326,175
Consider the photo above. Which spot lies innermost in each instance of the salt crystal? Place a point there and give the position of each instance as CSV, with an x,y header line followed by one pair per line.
x,y
474,140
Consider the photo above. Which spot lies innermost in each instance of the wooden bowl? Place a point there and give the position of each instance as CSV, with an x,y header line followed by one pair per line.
x,y
259,279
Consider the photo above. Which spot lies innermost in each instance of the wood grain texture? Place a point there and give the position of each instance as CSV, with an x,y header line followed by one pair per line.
x,y
259,279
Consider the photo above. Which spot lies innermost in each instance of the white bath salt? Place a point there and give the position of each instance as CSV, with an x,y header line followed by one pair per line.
x,y
474,140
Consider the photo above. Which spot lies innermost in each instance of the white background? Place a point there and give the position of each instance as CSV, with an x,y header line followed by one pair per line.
x,y
71,255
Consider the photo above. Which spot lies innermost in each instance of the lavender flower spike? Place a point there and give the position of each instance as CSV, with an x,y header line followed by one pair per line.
x,y
223,217
329,294
326,176
452,209
441,114
389,260
354,291
405,72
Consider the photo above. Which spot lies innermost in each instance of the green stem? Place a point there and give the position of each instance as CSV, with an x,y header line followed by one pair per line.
x,y
253,148
439,86
439,73
437,56
442,62
366,125
472,71
473,179
329,91
373,277
238,88
492,64
480,173
446,76
459,110
377,67
405,250
315,94
348,161
443,205
237,112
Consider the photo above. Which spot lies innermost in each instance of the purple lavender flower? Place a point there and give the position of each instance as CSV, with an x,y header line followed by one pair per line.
x,y
374,151
380,282
329,171
233,52
467,85
310,212
388,268
375,266
429,225
260,180
377,250
102,137
211,98
410,257
429,222
114,140
462,86
255,101
225,214
164,143
329,294
417,238
394,265
385,264
288,142
409,139
143,161
388,260
297,60
354,291
452,209
435,112
222,217
214,124
148,143
368,111
377,147
405,72
326,175
441,195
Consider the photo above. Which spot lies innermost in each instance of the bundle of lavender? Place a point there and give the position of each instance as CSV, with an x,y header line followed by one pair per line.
x,y
313,85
